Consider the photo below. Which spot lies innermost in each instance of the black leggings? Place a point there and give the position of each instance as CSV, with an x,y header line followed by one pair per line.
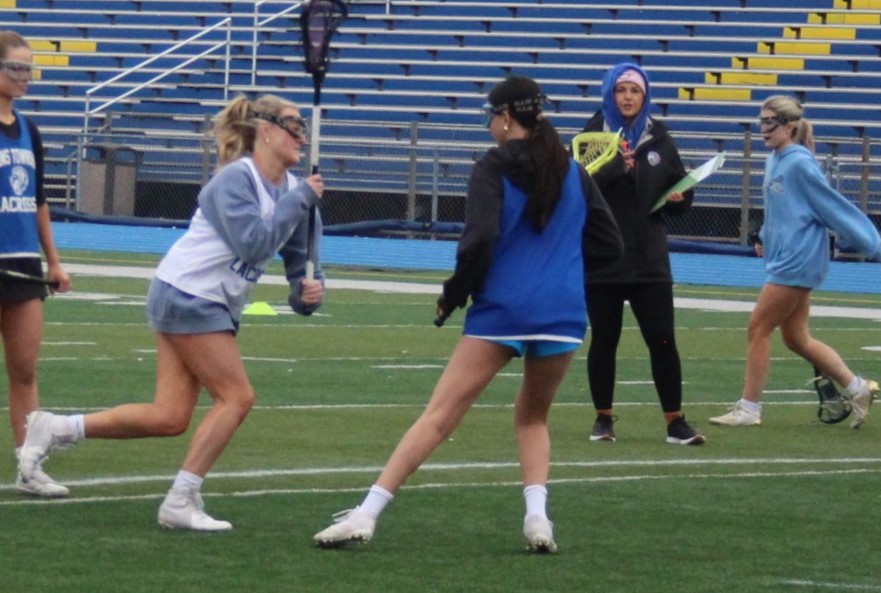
x,y
652,305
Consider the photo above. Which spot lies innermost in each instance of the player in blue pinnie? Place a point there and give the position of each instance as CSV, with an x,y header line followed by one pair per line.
x,y
251,209
25,228
530,211
800,207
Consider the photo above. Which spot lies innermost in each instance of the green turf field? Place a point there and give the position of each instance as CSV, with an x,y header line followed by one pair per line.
x,y
792,506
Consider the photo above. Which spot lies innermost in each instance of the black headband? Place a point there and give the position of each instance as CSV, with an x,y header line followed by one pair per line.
x,y
523,106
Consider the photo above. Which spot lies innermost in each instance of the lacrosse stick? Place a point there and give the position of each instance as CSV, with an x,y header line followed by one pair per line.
x,y
593,150
833,406
318,22
28,278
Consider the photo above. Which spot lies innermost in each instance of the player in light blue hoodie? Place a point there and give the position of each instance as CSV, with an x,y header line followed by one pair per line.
x,y
800,207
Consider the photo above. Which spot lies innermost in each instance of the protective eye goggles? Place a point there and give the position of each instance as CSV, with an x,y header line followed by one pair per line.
x,y
17,71
488,112
774,122
297,127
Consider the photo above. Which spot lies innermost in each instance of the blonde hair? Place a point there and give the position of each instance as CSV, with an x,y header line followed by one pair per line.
x,y
235,127
11,39
792,111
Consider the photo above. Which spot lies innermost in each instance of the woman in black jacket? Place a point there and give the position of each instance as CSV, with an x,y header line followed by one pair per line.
x,y
647,165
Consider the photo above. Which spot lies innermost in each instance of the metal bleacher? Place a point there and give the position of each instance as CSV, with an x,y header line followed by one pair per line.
x,y
432,61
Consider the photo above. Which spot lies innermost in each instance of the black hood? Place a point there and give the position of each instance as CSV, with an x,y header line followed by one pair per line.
x,y
514,161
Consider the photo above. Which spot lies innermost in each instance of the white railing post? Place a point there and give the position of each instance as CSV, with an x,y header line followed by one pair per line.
x,y
258,24
88,111
227,60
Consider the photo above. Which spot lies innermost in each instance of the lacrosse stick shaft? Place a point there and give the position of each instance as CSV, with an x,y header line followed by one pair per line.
x,y
318,22
316,125
29,278
313,160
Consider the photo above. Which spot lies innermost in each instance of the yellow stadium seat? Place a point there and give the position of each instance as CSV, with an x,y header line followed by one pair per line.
x,y
773,63
843,18
46,51
745,78
858,4
720,94
43,45
794,48
847,33
44,59
78,46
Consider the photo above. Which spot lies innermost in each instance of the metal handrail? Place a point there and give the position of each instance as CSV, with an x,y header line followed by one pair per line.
x,y
258,24
227,21
83,140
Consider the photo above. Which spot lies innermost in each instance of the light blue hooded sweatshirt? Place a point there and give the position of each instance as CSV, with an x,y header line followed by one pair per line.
x,y
800,206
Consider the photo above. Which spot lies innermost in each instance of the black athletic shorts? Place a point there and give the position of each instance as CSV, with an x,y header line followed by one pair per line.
x,y
13,290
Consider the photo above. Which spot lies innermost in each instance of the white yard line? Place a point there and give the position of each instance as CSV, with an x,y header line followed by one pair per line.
x,y
259,475
378,286
834,586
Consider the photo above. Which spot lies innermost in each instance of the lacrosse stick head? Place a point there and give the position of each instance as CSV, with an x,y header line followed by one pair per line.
x,y
834,407
593,150
318,22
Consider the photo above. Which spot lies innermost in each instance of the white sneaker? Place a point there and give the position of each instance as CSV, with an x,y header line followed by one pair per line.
x,y
45,433
861,401
40,484
350,525
738,416
539,534
183,509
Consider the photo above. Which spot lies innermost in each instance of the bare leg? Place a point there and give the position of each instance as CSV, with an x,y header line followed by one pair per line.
x,y
541,379
170,412
21,325
222,372
797,337
183,363
775,305
471,367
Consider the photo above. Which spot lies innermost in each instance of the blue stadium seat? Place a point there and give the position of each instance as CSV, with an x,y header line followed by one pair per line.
x,y
433,62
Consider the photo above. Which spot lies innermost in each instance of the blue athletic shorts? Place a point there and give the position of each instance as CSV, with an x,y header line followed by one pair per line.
x,y
172,311
538,348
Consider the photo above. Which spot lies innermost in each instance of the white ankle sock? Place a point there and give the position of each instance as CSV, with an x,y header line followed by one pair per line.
x,y
187,480
536,496
78,425
855,385
375,501
754,407
65,428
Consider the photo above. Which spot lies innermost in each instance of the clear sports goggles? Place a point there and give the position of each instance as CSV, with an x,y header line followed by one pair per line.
x,y
488,112
17,71
774,122
296,126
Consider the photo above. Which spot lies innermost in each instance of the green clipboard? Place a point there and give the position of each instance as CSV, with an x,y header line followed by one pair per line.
x,y
692,179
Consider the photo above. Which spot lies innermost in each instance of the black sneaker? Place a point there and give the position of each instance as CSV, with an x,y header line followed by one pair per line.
x,y
680,432
603,429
